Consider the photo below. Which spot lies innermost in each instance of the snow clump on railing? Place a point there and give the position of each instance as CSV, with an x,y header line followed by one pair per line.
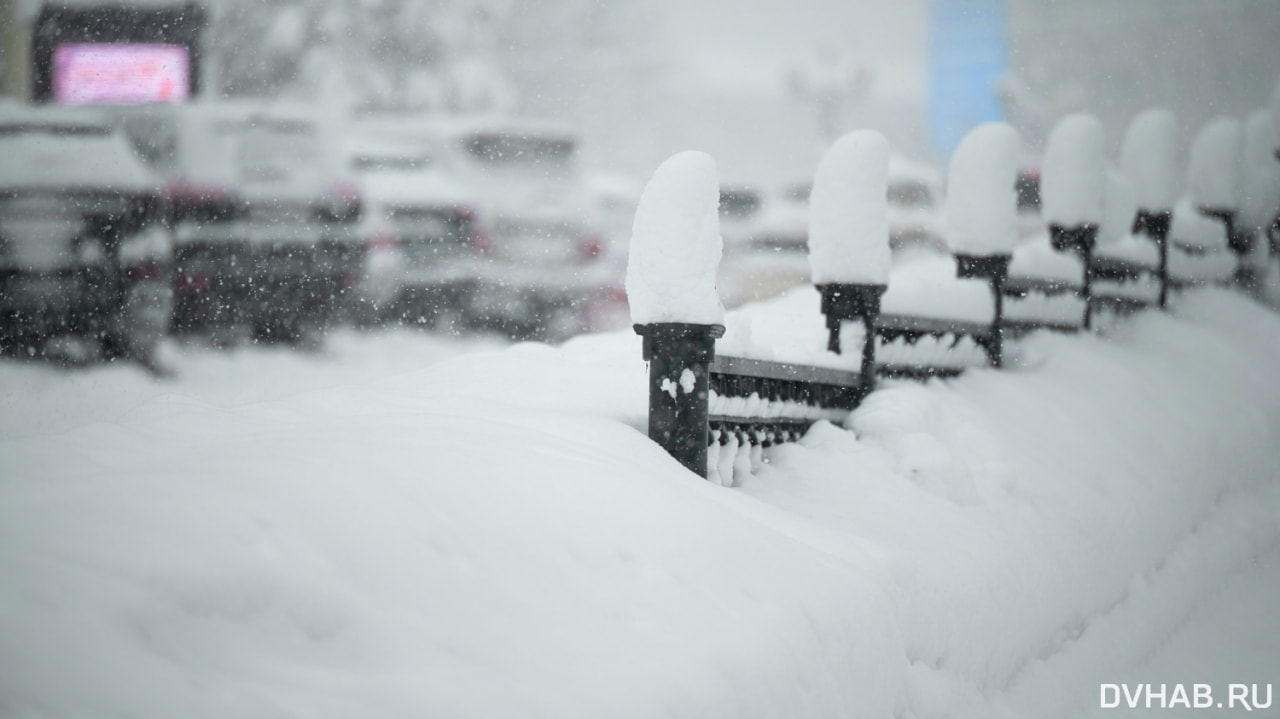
x,y
1258,203
1073,173
675,244
1213,171
981,204
849,212
1149,157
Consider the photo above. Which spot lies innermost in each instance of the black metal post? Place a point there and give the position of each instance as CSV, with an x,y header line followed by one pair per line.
x,y
1241,243
846,301
1081,240
995,270
1156,226
679,356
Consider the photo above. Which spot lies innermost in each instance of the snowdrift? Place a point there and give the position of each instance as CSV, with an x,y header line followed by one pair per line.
x,y
493,535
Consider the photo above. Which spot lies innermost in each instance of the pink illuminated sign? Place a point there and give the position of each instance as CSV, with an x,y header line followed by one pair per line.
x,y
127,74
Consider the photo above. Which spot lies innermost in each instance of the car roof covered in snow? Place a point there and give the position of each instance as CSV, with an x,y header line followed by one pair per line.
x,y
448,127
20,117
55,148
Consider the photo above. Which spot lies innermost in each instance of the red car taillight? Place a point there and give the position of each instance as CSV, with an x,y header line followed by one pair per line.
x,y
480,242
382,241
590,247
193,284
148,270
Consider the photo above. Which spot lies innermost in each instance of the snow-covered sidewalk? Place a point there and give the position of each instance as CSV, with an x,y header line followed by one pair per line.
x,y
493,535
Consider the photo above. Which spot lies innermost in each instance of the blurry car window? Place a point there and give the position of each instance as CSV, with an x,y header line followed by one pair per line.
x,y
272,152
738,204
909,194
521,152
1028,188
384,163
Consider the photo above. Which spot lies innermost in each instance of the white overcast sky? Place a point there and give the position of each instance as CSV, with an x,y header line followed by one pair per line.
x,y
747,45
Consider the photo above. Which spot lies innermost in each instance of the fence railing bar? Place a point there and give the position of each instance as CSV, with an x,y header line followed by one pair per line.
x,y
1022,286
893,324
918,372
730,365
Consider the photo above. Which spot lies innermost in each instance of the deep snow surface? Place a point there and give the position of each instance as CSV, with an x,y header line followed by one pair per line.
x,y
381,530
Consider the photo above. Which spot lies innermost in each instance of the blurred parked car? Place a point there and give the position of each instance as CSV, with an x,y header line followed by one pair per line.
x,y
766,236
914,194
1030,221
540,272
84,251
429,253
265,218
766,242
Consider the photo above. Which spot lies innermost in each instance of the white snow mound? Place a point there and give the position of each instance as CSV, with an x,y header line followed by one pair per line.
x,y
981,204
675,244
1073,175
1261,193
1149,157
848,212
1213,172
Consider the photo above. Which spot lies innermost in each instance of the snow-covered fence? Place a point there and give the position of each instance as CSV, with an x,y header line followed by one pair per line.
x,y
982,222
1149,156
1116,241
1072,188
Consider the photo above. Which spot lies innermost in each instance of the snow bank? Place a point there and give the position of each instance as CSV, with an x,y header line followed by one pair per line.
x,y
675,244
1073,173
1119,207
1260,198
494,535
848,212
1213,172
1149,157
981,203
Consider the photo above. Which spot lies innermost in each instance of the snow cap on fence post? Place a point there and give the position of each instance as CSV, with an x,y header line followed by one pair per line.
x,y
1073,174
982,214
1213,170
675,244
981,203
849,212
1149,158
1275,116
1119,207
1073,180
1261,197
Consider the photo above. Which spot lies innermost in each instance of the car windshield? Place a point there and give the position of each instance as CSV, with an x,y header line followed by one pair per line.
x,y
521,152
155,139
1028,189
798,192
371,163
273,151
909,194
31,128
738,204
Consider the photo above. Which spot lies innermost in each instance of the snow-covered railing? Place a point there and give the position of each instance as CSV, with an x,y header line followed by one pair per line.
x,y
1117,242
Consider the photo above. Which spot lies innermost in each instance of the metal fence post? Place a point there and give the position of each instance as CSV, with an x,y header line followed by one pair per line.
x,y
995,270
1156,226
679,356
1079,239
847,301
